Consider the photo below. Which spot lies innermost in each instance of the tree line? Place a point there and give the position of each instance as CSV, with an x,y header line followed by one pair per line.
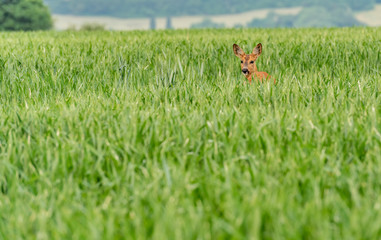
x,y
32,15
165,8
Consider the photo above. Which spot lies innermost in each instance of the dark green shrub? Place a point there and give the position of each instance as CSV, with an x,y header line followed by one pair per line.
x,y
24,15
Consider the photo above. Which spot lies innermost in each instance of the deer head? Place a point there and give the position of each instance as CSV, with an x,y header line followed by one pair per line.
x,y
248,66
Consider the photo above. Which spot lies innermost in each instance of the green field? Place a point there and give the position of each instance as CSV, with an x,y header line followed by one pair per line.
x,y
154,135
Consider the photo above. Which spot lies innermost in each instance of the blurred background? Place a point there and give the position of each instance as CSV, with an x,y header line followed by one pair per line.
x,y
182,14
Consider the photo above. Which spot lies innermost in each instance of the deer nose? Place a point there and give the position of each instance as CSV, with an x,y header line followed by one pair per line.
x,y
245,71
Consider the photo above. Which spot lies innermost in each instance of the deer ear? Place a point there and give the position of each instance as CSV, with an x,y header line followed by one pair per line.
x,y
238,51
258,49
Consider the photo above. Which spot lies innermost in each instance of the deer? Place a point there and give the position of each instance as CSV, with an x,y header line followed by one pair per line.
x,y
248,67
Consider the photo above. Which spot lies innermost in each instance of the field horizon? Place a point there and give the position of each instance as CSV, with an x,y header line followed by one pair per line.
x,y
155,135
65,22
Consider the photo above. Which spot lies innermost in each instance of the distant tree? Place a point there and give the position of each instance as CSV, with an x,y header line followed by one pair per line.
x,y
24,15
168,24
152,23
92,27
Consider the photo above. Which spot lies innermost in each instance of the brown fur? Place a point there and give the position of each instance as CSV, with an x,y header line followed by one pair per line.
x,y
248,67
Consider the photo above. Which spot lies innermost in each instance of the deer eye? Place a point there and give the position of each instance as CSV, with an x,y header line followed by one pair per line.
x,y
241,61
251,62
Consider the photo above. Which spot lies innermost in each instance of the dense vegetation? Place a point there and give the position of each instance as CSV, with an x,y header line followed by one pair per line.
x,y
108,135
150,8
17,15
332,15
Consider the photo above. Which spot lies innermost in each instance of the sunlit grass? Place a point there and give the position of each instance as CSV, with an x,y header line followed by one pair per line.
x,y
154,135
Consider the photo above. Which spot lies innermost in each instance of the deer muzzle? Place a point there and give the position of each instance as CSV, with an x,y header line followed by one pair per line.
x,y
245,71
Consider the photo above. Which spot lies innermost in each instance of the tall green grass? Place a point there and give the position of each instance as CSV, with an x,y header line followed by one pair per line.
x,y
155,135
